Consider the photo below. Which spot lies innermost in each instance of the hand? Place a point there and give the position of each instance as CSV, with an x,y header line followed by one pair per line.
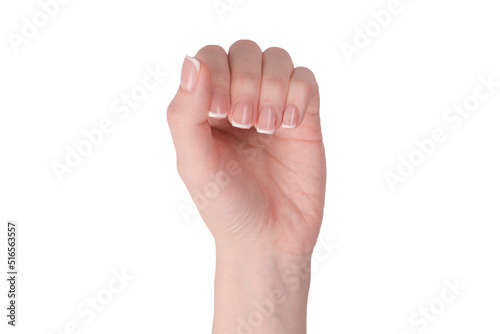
x,y
260,191
268,189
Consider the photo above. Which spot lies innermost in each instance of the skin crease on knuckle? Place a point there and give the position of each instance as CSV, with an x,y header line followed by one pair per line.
x,y
243,191
246,81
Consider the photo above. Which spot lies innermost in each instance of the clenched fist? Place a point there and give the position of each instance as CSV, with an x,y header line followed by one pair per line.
x,y
247,133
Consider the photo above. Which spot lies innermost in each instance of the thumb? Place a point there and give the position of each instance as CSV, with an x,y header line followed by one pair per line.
x,y
187,118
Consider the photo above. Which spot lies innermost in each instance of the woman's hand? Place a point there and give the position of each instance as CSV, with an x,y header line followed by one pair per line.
x,y
247,133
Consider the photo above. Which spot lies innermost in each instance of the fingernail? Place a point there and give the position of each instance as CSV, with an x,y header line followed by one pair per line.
x,y
242,114
290,117
267,119
218,108
190,72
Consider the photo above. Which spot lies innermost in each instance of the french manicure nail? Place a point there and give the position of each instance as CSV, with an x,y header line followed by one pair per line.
x,y
267,119
190,73
290,117
242,114
218,108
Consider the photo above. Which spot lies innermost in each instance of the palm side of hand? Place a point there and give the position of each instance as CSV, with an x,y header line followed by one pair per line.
x,y
276,198
256,191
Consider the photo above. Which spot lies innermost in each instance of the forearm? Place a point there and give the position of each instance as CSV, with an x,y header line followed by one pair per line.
x,y
265,294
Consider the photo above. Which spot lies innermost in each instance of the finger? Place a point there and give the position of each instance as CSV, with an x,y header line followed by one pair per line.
x,y
277,67
215,58
245,63
187,119
302,98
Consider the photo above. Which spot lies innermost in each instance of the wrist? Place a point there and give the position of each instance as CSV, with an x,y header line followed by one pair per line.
x,y
261,292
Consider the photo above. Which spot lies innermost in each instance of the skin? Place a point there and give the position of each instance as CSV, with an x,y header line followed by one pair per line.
x,y
260,194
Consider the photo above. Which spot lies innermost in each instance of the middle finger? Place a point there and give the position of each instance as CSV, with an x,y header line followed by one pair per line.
x,y
245,63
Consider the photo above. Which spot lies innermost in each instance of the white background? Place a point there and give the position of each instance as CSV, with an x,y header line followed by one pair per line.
x,y
125,207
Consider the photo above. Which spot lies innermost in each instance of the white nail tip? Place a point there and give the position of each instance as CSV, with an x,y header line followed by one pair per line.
x,y
241,126
196,63
215,115
291,127
267,132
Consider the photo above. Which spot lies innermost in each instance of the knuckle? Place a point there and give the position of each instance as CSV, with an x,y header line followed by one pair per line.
x,y
275,83
247,80
306,80
305,71
245,44
211,49
172,114
276,51
221,80
305,86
